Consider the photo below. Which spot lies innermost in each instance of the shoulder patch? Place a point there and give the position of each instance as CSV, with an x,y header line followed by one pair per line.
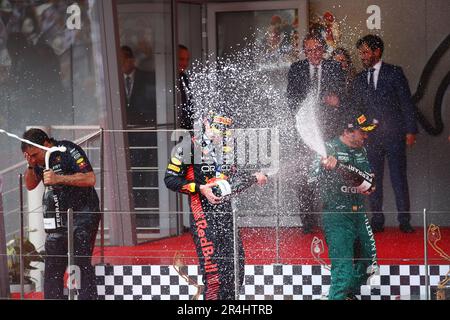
x,y
176,161
174,168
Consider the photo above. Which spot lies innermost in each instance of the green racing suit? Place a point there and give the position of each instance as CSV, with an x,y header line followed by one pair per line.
x,y
345,222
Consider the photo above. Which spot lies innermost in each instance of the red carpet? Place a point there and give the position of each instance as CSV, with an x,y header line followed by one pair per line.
x,y
393,247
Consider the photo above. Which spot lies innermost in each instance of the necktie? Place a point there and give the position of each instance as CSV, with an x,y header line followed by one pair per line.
x,y
371,79
183,88
315,79
128,86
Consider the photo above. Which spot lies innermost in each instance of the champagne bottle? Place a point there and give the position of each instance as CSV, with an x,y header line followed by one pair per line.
x,y
357,178
53,211
54,207
237,185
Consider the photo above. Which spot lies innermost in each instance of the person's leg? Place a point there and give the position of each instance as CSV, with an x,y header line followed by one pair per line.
x,y
55,266
85,231
306,207
226,254
368,252
207,227
340,238
376,155
396,154
306,191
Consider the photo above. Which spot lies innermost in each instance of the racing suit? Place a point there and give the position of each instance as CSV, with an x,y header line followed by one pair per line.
x,y
85,204
211,225
345,222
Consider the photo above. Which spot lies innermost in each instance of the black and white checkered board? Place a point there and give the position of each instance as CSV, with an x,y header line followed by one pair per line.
x,y
278,282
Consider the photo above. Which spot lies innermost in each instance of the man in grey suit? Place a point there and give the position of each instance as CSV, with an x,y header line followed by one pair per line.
x,y
383,89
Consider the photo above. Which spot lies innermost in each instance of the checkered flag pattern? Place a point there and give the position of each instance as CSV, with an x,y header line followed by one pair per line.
x,y
267,282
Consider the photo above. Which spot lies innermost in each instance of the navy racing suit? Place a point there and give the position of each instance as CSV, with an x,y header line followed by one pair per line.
x,y
85,204
211,225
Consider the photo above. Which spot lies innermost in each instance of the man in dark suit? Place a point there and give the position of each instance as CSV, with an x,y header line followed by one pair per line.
x,y
384,90
326,79
140,92
140,96
185,111
321,76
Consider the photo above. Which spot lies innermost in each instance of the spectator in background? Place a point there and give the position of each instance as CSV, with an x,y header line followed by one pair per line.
x,y
342,56
325,78
140,92
317,75
185,112
140,95
30,25
34,82
9,22
384,90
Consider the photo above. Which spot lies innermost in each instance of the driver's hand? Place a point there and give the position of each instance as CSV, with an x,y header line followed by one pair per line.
x,y
261,178
50,178
206,190
329,163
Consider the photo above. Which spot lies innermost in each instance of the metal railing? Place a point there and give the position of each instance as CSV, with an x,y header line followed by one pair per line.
x,y
276,215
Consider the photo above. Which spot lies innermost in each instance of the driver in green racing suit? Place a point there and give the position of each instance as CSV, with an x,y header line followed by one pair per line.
x,y
344,219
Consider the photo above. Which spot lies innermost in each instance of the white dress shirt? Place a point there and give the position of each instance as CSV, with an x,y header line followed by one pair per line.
x,y
376,73
125,76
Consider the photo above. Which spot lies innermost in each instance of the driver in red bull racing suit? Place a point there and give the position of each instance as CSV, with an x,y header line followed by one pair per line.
x,y
212,215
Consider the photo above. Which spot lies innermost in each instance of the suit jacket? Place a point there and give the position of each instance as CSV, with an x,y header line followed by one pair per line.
x,y
390,103
299,83
332,81
141,106
185,112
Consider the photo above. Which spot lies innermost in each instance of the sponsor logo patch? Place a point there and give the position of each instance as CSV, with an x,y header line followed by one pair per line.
x,y
362,119
82,165
189,187
173,168
222,120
